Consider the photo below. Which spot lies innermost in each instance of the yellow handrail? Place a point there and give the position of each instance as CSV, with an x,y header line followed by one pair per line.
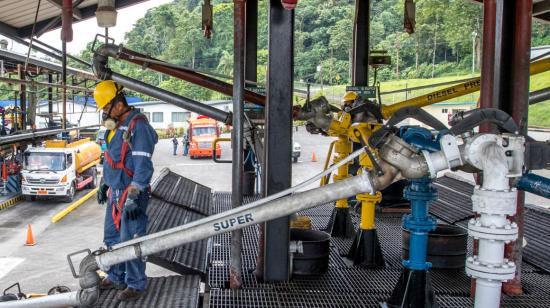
x,y
327,162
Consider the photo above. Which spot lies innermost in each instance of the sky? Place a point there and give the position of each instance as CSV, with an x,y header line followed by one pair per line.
x,y
85,31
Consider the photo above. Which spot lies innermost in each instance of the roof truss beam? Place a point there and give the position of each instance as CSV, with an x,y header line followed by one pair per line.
x,y
541,8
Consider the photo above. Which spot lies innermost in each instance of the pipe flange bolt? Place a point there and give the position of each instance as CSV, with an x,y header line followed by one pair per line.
x,y
507,233
494,202
502,272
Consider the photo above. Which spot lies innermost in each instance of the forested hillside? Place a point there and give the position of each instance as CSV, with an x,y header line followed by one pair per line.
x,y
448,34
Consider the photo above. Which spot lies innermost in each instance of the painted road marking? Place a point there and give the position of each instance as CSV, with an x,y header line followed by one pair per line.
x,y
7,264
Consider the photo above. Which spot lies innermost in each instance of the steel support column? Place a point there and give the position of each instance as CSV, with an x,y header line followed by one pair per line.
x,y
278,135
50,100
505,85
517,105
64,83
251,33
235,269
250,74
360,76
22,97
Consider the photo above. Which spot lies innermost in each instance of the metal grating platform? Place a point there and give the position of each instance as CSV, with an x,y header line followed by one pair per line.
x,y
451,206
537,233
183,192
187,259
166,213
171,291
454,204
344,285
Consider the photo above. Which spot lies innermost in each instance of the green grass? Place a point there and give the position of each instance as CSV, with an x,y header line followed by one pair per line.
x,y
539,115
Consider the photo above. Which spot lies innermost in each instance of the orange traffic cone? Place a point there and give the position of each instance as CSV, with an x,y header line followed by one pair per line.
x,y
313,157
30,239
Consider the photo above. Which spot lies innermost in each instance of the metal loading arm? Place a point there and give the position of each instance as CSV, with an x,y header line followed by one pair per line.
x,y
119,52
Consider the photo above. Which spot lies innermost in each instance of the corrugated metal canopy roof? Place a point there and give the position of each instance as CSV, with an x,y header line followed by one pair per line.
x,y
17,16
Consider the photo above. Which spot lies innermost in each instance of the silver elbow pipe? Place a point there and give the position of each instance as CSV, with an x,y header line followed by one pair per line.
x,y
405,158
390,175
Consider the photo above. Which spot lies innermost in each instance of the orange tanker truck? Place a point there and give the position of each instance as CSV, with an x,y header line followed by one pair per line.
x,y
202,132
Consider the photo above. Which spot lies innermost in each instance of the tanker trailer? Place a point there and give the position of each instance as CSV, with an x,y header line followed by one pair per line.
x,y
59,169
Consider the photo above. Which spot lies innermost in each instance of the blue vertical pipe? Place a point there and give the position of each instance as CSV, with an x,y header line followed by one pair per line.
x,y
420,192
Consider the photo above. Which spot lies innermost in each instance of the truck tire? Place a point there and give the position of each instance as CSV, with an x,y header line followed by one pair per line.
x,y
70,194
93,183
295,159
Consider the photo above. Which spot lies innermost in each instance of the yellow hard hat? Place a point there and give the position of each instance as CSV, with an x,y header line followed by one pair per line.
x,y
105,92
349,96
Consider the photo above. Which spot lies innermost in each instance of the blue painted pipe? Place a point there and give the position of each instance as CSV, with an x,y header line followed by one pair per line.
x,y
534,184
420,192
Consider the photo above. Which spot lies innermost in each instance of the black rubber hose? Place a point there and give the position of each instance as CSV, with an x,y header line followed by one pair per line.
x,y
378,137
416,113
466,121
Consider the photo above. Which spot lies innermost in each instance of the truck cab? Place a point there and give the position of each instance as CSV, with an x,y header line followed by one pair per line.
x,y
59,169
202,133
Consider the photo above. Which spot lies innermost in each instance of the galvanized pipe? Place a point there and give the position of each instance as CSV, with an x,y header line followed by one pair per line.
x,y
38,134
119,52
536,97
46,84
239,218
68,299
172,98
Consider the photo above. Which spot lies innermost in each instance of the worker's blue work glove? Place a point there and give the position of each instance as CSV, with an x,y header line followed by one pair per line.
x,y
102,193
131,207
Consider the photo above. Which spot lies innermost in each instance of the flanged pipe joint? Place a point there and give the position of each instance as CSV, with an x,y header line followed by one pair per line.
x,y
500,158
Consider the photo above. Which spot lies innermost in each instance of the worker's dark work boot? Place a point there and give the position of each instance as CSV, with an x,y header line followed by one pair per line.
x,y
107,284
129,294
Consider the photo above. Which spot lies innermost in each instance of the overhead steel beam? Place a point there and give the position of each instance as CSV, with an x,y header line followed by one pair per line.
x,y
540,8
7,30
46,64
278,135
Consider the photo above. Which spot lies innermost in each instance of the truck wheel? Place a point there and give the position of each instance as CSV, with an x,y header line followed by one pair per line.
x,y
295,159
70,194
93,183
29,198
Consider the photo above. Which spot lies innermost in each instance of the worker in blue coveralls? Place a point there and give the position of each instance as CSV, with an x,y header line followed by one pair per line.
x,y
127,172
